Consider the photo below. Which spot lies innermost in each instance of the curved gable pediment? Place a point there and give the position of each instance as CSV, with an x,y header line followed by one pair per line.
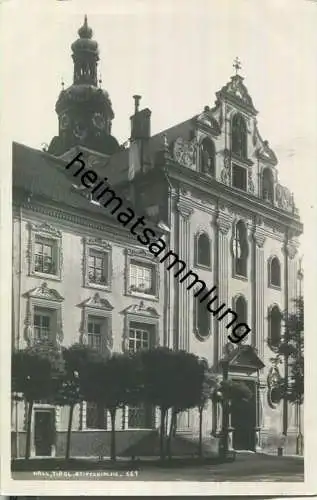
x,y
97,302
141,309
43,292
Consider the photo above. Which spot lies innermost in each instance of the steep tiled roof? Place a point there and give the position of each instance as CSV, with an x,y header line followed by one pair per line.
x,y
41,175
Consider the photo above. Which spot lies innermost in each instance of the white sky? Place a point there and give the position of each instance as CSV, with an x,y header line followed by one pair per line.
x,y
176,54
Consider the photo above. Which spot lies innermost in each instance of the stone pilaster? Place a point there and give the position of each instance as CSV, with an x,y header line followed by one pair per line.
x,y
258,288
222,275
184,326
290,250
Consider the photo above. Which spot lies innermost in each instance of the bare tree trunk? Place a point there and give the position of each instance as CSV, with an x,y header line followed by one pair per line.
x,y
162,434
69,431
113,434
200,446
171,433
28,430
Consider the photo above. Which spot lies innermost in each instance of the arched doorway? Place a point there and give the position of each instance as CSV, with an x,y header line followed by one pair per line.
x,y
243,419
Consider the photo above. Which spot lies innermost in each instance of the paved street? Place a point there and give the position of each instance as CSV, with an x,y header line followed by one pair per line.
x,y
247,467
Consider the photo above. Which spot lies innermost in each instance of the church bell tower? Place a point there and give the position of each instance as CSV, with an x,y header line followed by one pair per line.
x,y
84,110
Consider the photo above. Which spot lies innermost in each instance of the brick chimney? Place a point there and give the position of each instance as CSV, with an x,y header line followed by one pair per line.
x,y
140,121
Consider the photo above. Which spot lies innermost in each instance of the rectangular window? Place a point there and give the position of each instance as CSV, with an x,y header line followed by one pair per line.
x,y
45,255
239,177
142,278
139,416
96,416
139,337
42,324
95,329
98,264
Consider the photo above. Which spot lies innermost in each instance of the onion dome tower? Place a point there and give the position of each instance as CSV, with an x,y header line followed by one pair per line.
x,y
84,110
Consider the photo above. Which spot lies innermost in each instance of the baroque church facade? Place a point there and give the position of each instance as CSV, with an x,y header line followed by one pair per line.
x,y
209,187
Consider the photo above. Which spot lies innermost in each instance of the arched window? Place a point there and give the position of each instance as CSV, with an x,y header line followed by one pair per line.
x,y
207,157
203,253
239,136
241,308
274,272
275,324
240,249
202,319
268,185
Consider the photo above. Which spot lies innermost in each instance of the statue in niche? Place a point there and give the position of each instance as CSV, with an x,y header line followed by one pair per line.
x,y
208,155
226,171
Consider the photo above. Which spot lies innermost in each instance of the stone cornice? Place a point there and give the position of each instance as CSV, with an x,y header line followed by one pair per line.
x,y
230,197
69,219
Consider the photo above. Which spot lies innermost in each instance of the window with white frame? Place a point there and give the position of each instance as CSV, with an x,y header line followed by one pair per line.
x,y
140,416
96,327
44,253
139,337
43,321
142,277
45,258
98,267
97,263
43,324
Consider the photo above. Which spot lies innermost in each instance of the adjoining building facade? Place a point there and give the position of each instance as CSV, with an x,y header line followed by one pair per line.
x,y
209,187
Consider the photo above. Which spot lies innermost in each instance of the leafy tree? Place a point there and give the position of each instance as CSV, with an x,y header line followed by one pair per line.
x,y
171,379
109,383
294,326
231,390
291,351
69,392
291,348
35,373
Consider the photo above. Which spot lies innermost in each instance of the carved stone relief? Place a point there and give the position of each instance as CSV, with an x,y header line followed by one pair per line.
x,y
184,152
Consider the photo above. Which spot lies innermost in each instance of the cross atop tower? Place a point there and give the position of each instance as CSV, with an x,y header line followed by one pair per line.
x,y
237,64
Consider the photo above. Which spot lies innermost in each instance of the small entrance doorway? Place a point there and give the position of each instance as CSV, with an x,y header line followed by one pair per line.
x,y
243,421
44,431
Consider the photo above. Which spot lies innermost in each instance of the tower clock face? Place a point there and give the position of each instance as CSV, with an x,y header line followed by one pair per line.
x,y
99,121
64,121
79,130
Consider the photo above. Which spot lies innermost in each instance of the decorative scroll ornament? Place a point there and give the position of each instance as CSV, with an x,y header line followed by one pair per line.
x,y
290,249
184,210
225,175
97,302
185,152
141,309
43,292
223,224
259,238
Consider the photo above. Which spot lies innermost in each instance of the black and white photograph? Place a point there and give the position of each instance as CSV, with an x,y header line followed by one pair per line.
x,y
160,175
